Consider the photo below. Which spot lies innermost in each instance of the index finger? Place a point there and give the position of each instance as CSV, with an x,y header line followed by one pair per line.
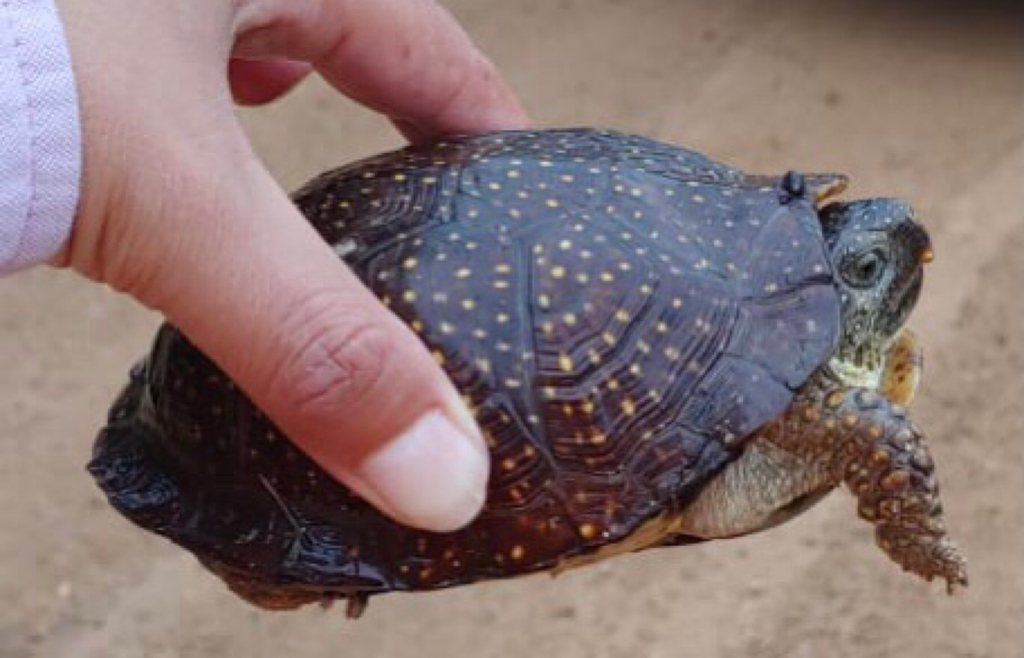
x,y
406,58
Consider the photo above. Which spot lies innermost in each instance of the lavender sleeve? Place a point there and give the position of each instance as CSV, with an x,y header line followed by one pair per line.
x,y
40,134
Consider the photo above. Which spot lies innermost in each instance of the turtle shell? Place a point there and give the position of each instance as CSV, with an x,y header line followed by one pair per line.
x,y
620,313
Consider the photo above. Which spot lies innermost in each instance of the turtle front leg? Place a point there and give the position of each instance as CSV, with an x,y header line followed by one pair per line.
x,y
884,460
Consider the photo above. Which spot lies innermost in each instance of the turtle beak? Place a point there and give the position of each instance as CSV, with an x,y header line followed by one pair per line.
x,y
919,242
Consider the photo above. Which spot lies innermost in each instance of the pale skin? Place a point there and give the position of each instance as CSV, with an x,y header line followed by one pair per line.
x,y
178,212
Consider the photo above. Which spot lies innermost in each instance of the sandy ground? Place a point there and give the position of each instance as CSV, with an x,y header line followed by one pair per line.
x,y
914,99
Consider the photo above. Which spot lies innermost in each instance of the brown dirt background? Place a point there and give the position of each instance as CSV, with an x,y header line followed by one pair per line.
x,y
917,99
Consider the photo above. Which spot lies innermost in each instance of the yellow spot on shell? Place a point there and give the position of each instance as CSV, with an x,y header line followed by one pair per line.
x,y
463,273
552,203
558,272
409,263
564,362
517,552
628,407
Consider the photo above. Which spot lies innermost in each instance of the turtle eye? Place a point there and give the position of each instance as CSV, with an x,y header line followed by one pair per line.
x,y
865,269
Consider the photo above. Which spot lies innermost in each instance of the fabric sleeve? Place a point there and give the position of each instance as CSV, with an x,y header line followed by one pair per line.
x,y
40,134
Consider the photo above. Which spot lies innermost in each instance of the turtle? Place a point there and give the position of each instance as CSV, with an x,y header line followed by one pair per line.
x,y
659,348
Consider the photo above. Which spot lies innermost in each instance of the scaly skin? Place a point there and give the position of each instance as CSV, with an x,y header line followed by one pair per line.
x,y
902,372
870,443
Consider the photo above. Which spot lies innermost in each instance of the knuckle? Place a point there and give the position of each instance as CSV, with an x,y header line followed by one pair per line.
x,y
335,363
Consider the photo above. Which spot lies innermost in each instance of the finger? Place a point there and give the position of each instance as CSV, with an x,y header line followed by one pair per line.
x,y
227,258
257,82
406,58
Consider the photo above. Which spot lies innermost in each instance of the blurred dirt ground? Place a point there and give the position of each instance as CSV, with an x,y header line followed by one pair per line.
x,y
917,99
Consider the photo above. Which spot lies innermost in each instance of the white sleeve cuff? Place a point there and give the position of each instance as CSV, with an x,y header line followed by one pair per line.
x,y
40,134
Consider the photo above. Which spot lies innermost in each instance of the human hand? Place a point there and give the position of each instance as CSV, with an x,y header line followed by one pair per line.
x,y
177,211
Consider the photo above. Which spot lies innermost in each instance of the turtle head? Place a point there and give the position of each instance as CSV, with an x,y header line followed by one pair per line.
x,y
878,253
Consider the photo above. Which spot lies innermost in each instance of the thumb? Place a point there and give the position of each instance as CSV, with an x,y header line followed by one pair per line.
x,y
337,372
228,259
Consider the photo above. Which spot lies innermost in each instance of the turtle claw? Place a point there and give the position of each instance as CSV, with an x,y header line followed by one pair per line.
x,y
356,604
926,554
